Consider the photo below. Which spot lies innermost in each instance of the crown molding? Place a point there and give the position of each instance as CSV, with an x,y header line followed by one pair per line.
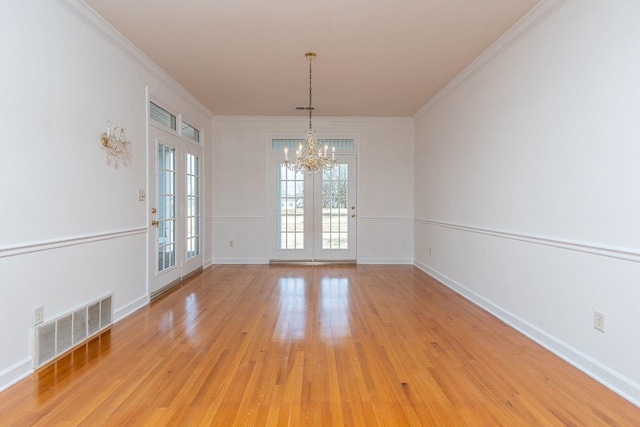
x,y
321,119
520,29
96,23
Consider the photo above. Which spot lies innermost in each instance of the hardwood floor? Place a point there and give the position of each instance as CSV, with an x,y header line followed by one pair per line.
x,y
312,346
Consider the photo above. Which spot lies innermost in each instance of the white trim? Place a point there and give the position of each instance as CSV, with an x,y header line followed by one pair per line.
x,y
67,241
22,369
130,308
322,119
89,17
572,245
620,384
240,261
382,261
238,218
386,218
530,21
15,373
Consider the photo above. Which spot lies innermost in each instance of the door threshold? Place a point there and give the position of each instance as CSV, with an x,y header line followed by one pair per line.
x,y
311,261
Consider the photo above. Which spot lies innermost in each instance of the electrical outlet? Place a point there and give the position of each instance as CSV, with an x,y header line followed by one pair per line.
x,y
38,315
142,195
232,243
598,320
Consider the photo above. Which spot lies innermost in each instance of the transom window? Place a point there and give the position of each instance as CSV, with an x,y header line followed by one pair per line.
x,y
162,116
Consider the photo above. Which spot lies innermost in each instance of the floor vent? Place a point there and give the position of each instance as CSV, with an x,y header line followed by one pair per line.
x,y
57,336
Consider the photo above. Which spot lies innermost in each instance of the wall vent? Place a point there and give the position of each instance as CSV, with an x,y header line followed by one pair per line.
x,y
57,336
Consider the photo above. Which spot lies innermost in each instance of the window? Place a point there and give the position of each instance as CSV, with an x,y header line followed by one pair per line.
x,y
190,132
341,144
162,116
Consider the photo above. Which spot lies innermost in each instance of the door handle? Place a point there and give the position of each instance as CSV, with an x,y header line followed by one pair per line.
x,y
155,223
353,215
153,210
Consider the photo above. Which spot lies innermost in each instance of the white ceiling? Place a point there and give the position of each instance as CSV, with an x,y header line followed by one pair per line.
x,y
375,57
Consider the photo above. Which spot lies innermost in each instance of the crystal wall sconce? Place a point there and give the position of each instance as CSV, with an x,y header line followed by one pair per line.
x,y
116,144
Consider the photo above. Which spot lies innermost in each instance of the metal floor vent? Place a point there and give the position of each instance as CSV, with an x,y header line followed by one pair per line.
x,y
57,336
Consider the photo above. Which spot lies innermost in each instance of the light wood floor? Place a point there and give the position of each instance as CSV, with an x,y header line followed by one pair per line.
x,y
312,346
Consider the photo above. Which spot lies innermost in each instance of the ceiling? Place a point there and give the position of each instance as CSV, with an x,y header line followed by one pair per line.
x,y
375,57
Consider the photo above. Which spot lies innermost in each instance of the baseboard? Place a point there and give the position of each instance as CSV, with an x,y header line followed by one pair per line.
x,y
208,263
385,261
128,309
15,373
240,261
618,383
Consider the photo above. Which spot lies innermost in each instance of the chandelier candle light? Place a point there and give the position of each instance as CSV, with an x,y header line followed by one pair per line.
x,y
115,143
311,157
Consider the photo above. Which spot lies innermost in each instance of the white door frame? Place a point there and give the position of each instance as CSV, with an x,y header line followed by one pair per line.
x,y
168,277
312,244
157,282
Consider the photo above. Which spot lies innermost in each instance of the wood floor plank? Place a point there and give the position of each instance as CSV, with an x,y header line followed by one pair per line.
x,y
327,345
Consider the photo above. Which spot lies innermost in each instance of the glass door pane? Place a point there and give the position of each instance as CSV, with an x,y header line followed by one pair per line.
x,y
312,216
334,198
193,206
335,216
291,208
166,234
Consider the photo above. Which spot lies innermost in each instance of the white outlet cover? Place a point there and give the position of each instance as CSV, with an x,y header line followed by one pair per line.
x,y
598,320
38,315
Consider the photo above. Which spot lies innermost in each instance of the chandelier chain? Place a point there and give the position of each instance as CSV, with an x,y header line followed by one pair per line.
x,y
310,107
310,156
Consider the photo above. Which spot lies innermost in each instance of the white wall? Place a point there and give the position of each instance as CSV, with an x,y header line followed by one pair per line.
x,y
526,184
385,185
72,227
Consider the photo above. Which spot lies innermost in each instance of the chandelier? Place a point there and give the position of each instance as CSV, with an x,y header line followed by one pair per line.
x,y
311,157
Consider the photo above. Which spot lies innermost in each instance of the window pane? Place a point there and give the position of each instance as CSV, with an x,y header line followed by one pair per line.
x,y
291,209
190,132
334,207
193,206
162,116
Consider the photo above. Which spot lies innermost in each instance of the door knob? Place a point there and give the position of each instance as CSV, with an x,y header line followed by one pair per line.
x,y
155,223
353,207
353,215
153,210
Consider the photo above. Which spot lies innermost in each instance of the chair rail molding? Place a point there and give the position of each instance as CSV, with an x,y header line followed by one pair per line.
x,y
586,247
68,241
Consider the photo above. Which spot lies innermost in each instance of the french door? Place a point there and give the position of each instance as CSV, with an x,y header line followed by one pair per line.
x,y
174,203
313,216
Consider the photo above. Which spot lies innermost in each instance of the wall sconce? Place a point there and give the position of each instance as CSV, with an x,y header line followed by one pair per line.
x,y
116,144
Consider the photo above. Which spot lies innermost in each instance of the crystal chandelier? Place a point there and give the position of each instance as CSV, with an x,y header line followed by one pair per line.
x,y
311,157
